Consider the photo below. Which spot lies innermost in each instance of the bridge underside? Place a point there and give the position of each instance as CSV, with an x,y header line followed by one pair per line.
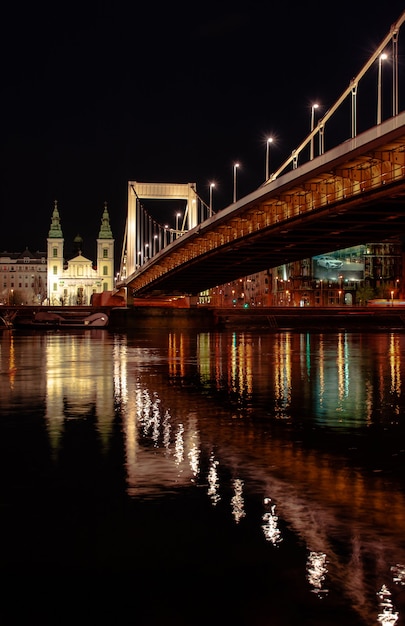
x,y
359,199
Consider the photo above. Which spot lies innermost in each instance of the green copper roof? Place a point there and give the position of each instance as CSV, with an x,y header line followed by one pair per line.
x,y
55,230
105,230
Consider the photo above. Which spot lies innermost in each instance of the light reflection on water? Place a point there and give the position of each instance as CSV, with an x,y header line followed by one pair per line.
x,y
243,418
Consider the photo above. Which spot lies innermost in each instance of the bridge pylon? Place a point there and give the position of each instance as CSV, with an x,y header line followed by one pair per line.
x,y
135,235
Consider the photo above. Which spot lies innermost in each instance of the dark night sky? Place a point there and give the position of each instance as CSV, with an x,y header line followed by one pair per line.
x,y
98,93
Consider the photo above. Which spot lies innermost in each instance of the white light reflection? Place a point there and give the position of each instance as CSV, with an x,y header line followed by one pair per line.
x,y
166,431
237,500
193,457
193,444
270,528
316,570
387,617
398,574
213,483
179,445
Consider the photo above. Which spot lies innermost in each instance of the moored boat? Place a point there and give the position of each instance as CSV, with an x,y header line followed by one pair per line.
x,y
52,320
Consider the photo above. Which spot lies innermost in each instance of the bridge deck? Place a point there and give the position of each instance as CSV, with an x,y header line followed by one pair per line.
x,y
352,195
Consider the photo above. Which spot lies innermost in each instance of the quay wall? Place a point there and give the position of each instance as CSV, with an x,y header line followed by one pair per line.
x,y
270,318
206,318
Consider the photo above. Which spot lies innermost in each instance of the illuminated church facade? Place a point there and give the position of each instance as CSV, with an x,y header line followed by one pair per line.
x,y
76,281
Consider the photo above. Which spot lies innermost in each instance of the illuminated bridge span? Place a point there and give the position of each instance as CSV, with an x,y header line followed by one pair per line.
x,y
350,195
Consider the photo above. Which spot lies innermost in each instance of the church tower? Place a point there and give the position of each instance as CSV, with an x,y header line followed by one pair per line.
x,y
105,253
55,257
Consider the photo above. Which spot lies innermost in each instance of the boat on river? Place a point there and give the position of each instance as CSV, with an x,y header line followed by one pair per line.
x,y
51,320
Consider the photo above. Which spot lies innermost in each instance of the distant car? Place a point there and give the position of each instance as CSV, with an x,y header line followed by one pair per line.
x,y
329,262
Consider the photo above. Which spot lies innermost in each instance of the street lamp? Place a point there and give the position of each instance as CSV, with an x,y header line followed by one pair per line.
x,y
212,185
235,167
314,106
269,141
178,215
381,58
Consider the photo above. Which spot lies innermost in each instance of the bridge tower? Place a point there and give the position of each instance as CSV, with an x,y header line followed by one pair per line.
x,y
154,191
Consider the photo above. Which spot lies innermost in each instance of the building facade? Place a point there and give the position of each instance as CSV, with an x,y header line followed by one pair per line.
x,y
23,277
351,276
74,282
48,278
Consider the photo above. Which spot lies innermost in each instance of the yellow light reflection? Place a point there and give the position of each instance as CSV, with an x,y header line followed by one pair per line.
x,y
394,353
282,375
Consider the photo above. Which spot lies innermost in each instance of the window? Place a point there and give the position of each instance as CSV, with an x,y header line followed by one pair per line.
x,y
55,286
105,270
55,252
105,253
55,269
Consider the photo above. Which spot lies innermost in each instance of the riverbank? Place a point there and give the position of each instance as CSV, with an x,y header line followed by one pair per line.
x,y
207,318
263,318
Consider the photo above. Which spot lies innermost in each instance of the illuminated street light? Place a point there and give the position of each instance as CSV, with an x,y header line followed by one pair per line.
x,y
381,58
178,215
235,167
212,185
314,106
269,141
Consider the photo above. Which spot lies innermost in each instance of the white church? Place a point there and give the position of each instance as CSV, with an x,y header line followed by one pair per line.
x,y
76,281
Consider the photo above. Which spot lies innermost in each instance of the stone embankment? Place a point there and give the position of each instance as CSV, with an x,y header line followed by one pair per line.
x,y
314,319
206,318
269,318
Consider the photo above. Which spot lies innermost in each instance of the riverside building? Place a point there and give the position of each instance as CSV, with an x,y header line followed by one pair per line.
x,y
49,278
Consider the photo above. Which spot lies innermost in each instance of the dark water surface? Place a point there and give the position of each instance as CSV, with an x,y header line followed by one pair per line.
x,y
185,478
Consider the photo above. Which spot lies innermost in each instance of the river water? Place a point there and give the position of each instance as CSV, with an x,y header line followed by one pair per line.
x,y
193,478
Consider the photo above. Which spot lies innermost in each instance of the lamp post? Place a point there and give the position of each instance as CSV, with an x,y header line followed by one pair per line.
x,y
314,106
269,141
235,167
178,215
212,185
381,58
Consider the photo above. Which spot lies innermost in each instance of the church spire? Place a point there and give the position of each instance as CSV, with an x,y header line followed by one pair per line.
x,y
55,230
105,230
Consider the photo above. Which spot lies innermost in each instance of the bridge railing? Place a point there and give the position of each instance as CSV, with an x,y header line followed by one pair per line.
x,y
155,237
351,90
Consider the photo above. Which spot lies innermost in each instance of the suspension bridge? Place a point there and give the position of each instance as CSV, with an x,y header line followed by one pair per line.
x,y
317,201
